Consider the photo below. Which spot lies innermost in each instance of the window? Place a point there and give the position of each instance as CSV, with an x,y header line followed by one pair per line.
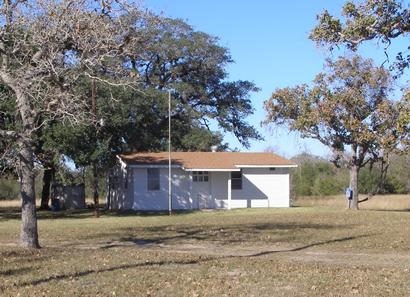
x,y
236,180
200,176
153,179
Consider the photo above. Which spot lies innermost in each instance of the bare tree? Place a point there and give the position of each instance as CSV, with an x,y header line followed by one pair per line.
x,y
46,49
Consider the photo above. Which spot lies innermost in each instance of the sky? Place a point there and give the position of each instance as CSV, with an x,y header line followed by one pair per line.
x,y
268,41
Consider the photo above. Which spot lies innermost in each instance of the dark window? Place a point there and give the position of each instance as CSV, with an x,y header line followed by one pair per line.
x,y
153,179
200,176
236,180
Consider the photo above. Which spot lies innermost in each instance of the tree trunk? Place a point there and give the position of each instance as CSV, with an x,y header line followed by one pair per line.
x,y
354,176
108,196
94,166
45,194
29,233
95,191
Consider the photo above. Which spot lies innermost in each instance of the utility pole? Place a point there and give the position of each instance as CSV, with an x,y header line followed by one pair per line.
x,y
94,165
169,156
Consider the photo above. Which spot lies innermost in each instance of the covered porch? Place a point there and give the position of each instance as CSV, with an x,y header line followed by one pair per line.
x,y
239,188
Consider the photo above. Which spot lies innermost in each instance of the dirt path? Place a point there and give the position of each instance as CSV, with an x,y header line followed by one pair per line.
x,y
362,258
306,254
284,252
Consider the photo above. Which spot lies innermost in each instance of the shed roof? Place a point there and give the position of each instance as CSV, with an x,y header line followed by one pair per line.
x,y
208,160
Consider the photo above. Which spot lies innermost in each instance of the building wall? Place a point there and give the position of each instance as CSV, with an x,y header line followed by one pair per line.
x,y
70,196
266,188
261,187
158,200
219,188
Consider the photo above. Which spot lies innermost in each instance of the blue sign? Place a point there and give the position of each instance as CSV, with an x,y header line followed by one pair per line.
x,y
349,193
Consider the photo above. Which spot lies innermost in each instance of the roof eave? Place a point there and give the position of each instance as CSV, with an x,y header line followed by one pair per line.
x,y
267,166
212,169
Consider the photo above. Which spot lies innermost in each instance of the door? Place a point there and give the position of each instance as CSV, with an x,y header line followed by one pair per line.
x,y
201,189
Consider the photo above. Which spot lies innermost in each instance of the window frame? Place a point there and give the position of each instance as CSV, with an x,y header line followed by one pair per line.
x,y
200,176
153,178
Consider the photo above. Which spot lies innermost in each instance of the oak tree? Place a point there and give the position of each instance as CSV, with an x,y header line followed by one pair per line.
x,y
346,108
172,57
193,65
46,47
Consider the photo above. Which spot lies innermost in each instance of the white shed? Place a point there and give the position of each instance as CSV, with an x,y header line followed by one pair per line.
x,y
199,180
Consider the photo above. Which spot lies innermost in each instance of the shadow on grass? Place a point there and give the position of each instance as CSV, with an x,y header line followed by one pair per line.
x,y
200,260
14,213
9,213
225,234
312,245
388,210
16,271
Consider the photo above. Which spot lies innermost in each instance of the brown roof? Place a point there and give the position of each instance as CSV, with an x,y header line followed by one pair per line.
x,y
207,160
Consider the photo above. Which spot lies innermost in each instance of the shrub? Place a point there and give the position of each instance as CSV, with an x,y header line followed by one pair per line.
x,y
9,189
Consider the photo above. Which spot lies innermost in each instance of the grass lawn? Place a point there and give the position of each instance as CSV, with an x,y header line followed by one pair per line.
x,y
301,251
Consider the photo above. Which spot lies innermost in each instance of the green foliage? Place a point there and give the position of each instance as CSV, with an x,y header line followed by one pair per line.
x,y
9,189
7,122
193,65
368,180
398,176
317,177
326,185
199,139
395,184
175,57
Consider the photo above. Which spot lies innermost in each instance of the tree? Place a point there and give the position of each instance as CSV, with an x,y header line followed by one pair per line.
x,y
48,157
404,118
9,120
317,176
347,107
46,47
192,65
189,63
383,20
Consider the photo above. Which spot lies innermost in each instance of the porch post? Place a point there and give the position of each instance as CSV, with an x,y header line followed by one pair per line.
x,y
229,190
190,190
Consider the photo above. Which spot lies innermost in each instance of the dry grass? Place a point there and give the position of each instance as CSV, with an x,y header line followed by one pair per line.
x,y
379,202
17,203
13,203
302,251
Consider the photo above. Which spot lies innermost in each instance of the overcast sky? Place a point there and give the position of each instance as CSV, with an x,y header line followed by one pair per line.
x,y
269,42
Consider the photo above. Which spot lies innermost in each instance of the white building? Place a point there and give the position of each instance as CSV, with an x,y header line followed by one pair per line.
x,y
200,180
